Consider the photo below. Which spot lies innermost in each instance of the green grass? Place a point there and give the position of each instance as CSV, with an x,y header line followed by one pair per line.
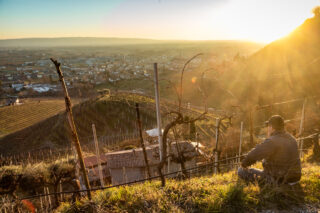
x,y
220,193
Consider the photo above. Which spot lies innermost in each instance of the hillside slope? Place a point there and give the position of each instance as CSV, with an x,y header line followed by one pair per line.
x,y
218,193
288,67
112,115
15,118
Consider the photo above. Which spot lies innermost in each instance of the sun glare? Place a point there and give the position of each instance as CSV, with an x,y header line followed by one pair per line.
x,y
258,21
261,21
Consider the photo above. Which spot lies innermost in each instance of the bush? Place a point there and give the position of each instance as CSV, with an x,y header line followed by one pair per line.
x,y
33,177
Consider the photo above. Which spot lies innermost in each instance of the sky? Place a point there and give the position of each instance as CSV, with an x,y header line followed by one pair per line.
x,y
250,20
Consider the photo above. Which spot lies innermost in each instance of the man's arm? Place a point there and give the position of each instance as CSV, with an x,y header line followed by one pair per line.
x,y
261,151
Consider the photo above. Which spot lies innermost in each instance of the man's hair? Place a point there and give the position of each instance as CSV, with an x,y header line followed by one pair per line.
x,y
277,122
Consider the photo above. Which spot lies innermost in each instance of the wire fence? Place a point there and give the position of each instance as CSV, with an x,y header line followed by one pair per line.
x,y
192,170
48,154
200,170
203,169
51,154
46,200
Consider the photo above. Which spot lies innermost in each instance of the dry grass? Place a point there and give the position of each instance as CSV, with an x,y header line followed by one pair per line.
x,y
220,193
26,180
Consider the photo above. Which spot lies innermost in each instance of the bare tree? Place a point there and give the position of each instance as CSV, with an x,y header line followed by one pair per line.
x,y
179,118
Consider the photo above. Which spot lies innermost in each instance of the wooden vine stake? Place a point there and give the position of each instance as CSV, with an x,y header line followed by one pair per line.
x,y
301,128
251,127
73,127
142,142
216,149
97,154
157,95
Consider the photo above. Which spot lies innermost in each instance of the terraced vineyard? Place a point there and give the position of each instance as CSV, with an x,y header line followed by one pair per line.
x,y
44,125
15,118
37,125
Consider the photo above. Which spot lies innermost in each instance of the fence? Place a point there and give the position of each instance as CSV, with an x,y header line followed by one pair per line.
x,y
49,155
205,169
45,201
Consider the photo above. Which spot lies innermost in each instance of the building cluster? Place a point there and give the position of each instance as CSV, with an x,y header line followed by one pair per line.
x,y
38,73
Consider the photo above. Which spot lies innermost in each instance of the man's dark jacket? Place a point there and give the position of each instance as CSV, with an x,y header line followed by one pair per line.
x,y
281,157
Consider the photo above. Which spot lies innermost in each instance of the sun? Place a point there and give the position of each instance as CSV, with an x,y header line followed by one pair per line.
x,y
261,21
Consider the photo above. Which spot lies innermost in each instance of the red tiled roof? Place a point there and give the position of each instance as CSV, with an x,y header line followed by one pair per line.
x,y
92,161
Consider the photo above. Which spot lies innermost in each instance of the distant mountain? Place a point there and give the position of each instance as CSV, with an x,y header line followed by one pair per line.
x,y
93,41
73,41
288,67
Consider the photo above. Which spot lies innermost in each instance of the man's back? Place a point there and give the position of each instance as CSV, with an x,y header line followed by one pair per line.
x,y
281,157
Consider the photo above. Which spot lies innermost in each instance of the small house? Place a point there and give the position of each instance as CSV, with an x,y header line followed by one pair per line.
x,y
13,100
91,164
129,165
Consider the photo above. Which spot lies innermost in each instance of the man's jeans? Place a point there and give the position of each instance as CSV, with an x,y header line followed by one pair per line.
x,y
252,175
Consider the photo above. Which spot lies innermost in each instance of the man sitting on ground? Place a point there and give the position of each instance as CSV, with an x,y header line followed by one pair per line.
x,y
280,155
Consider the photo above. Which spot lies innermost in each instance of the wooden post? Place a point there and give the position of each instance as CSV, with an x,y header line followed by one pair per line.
x,y
45,197
216,149
73,127
235,162
41,204
29,158
124,175
301,129
226,158
216,162
241,130
60,190
157,95
169,158
142,142
97,154
251,127
49,198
